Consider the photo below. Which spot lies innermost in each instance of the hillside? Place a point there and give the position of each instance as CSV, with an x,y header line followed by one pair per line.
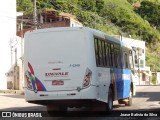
x,y
126,17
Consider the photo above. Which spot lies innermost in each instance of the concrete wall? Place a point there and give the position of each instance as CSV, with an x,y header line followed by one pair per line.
x,y
8,32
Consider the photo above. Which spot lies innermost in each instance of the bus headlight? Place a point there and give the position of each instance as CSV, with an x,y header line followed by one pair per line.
x,y
87,78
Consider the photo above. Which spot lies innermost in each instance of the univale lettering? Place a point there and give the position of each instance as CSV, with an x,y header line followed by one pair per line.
x,y
56,74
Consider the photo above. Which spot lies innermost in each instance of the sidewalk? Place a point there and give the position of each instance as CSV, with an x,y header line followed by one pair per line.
x,y
16,92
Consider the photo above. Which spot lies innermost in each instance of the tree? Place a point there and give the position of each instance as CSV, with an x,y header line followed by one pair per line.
x,y
132,1
25,6
150,11
99,5
89,5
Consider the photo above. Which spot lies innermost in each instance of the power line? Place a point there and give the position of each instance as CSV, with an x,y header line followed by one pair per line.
x,y
94,15
63,9
57,7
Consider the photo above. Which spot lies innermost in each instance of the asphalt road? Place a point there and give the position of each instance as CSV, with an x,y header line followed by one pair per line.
x,y
147,99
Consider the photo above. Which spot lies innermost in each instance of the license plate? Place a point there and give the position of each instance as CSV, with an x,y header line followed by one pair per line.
x,y
58,82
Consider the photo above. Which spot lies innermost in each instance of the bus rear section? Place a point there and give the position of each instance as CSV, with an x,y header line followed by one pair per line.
x,y
55,67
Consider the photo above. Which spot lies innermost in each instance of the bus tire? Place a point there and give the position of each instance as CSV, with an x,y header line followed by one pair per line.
x,y
120,101
109,105
129,102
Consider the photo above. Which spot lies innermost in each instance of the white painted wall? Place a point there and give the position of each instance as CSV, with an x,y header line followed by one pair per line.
x,y
138,44
75,23
134,42
7,32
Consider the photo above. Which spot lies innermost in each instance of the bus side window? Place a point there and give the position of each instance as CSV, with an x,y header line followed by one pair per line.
x,y
107,54
116,55
125,60
96,51
116,59
103,53
111,55
100,52
119,58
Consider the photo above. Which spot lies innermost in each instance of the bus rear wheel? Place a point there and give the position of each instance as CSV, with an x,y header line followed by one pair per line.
x,y
109,105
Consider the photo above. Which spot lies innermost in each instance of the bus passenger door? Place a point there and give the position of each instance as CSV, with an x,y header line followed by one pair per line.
x,y
103,83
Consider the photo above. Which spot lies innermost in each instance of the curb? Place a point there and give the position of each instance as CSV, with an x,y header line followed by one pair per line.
x,y
14,92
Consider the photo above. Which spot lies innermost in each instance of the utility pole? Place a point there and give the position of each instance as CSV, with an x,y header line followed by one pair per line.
x,y
34,14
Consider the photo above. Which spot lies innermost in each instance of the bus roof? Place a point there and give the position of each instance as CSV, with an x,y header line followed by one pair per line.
x,y
106,36
94,31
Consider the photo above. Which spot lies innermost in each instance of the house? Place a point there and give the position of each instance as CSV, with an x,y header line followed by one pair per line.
x,y
46,19
143,72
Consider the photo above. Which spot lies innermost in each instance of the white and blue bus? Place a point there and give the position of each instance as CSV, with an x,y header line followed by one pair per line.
x,y
75,67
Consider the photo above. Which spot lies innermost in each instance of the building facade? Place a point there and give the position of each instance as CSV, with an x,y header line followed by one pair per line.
x,y
143,72
8,33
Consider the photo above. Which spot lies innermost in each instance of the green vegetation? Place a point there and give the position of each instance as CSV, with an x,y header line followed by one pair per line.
x,y
150,11
154,79
24,5
113,17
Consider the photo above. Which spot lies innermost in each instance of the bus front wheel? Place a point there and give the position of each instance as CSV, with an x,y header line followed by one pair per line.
x,y
129,102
